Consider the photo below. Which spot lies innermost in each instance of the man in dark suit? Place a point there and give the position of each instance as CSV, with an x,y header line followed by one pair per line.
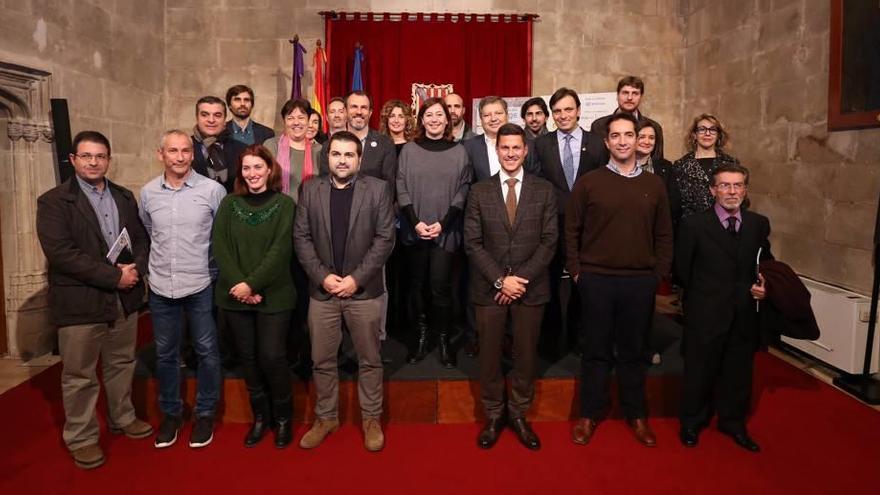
x,y
716,257
563,156
93,300
510,234
379,158
240,100
461,131
630,91
215,152
481,148
343,234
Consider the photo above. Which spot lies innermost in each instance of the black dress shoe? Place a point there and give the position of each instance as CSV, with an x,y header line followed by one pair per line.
x,y
526,436
258,429
742,439
490,433
472,349
283,433
689,437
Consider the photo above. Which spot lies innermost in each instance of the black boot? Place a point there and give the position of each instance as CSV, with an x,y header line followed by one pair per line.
x,y
283,432
420,348
258,429
443,323
283,410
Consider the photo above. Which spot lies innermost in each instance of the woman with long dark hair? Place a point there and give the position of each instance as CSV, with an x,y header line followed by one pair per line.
x,y
252,243
433,177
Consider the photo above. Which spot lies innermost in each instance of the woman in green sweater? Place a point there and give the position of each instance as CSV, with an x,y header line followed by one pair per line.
x,y
252,244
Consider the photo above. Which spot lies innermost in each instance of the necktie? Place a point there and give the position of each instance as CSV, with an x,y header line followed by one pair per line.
x,y
568,162
731,225
510,202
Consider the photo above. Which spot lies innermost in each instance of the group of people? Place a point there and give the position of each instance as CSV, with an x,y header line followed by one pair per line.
x,y
261,237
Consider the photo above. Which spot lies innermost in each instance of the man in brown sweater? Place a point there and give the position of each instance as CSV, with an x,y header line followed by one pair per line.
x,y
618,235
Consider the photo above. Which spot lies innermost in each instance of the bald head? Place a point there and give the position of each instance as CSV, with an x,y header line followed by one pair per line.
x,y
455,104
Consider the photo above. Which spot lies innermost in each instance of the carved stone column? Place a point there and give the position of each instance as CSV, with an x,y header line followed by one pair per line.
x,y
27,173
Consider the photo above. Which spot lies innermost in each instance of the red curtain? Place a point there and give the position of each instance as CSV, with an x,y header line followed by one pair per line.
x,y
480,55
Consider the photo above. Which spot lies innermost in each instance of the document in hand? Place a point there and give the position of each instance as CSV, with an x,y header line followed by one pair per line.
x,y
120,251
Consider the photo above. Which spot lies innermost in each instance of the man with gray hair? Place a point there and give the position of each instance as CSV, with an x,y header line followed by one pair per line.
x,y
178,209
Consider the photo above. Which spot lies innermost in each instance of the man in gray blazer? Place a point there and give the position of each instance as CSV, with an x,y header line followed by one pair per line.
x,y
343,234
510,233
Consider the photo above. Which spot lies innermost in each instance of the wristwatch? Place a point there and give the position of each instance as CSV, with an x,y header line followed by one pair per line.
x,y
499,283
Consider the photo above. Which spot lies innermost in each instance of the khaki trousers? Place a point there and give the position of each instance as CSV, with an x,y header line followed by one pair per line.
x,y
80,346
363,319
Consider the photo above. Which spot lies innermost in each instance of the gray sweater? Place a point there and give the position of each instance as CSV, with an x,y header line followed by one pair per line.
x,y
433,182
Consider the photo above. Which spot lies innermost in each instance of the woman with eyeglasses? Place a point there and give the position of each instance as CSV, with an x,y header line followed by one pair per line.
x,y
692,173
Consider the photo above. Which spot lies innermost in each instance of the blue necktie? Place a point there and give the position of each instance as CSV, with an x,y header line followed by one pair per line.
x,y
568,162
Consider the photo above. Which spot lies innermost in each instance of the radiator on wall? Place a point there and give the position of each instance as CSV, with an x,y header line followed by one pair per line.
x,y
843,320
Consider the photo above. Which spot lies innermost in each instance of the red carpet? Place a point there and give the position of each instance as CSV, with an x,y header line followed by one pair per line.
x,y
815,440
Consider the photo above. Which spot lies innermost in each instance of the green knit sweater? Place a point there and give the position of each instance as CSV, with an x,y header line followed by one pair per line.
x,y
255,245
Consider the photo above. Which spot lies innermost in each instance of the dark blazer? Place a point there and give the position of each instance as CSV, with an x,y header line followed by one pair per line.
x,y
261,132
82,283
599,127
369,242
594,154
231,150
717,271
527,246
479,155
379,159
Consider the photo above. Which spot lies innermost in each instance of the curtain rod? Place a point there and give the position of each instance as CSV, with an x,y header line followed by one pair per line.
x,y
332,14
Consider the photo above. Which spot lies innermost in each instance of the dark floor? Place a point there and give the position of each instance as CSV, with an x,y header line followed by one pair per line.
x,y
665,339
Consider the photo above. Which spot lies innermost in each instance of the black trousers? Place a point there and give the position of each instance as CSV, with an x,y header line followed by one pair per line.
x,y
617,318
260,340
430,269
718,367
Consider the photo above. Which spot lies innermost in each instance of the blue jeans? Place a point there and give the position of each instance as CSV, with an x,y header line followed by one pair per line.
x,y
167,330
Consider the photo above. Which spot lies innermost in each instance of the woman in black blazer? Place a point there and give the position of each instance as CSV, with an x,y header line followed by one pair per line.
x,y
649,156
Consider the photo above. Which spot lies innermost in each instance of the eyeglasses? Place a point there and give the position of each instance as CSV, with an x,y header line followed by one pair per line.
x,y
726,186
87,157
707,130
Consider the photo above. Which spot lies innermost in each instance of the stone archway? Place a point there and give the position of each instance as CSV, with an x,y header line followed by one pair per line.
x,y
27,159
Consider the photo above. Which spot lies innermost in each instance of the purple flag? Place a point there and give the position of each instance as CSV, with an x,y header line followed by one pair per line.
x,y
298,69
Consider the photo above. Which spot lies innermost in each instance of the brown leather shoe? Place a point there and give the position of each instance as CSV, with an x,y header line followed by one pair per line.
x,y
642,431
583,431
88,457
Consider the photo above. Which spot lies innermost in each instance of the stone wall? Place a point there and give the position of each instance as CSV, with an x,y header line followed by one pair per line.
x,y
587,45
762,67
108,60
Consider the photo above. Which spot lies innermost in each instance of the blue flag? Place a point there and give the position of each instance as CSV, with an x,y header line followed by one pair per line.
x,y
357,78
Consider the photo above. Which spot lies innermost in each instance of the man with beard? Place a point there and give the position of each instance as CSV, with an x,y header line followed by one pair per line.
x,y
240,100
618,235
343,234
534,113
379,158
215,152
630,90
460,130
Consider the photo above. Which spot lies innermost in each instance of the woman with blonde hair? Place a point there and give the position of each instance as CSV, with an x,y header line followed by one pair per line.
x,y
692,173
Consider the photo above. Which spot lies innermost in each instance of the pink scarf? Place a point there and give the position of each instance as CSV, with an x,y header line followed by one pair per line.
x,y
284,162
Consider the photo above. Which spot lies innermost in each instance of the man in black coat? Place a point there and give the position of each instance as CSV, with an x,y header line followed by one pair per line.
x,y
630,91
716,257
94,300
215,153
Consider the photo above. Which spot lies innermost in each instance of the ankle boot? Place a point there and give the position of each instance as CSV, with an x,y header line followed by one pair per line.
x,y
283,433
443,323
420,349
258,429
